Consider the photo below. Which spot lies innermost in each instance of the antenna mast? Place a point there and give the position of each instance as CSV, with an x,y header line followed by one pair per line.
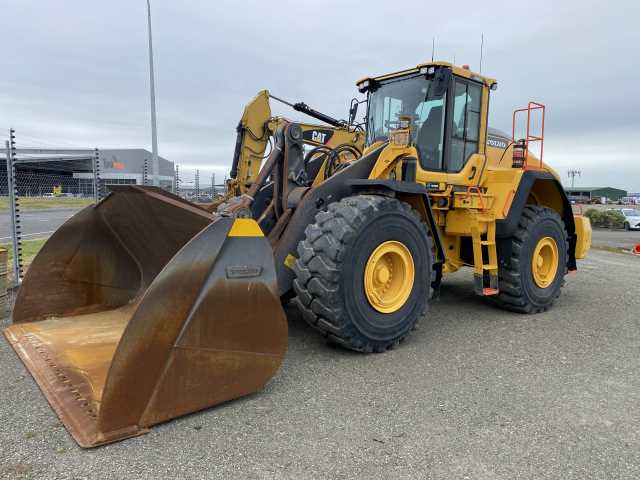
x,y
433,47
481,49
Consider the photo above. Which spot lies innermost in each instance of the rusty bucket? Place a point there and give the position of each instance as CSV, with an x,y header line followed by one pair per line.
x,y
146,307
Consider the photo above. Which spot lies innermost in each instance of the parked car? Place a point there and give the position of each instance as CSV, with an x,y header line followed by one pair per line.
x,y
631,218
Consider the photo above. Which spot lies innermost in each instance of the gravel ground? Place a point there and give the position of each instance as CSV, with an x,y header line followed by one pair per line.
x,y
475,393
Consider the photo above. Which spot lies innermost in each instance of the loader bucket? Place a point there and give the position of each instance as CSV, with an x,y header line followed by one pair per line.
x,y
146,307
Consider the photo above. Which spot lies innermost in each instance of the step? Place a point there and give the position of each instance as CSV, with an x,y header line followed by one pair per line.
x,y
490,291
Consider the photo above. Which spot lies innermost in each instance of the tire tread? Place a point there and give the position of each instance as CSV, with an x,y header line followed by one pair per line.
x,y
512,295
320,257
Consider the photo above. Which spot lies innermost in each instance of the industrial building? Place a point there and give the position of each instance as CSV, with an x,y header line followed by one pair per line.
x,y
43,172
588,194
127,167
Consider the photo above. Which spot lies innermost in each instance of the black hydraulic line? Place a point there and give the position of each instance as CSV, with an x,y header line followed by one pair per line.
x,y
304,108
236,153
332,167
313,151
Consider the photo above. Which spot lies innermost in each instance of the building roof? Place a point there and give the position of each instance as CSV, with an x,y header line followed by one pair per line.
x,y
112,160
592,189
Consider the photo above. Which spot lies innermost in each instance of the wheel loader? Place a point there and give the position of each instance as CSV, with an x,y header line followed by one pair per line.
x,y
146,307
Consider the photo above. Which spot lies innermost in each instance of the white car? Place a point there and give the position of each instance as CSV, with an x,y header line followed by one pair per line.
x,y
631,218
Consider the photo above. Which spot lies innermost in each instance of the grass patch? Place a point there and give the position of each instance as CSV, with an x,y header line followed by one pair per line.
x,y
30,249
42,203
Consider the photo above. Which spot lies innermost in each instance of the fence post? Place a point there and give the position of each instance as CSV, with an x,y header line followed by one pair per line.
x,y
97,194
145,172
14,207
197,185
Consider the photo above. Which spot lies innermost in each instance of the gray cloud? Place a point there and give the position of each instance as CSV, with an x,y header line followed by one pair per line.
x,y
75,72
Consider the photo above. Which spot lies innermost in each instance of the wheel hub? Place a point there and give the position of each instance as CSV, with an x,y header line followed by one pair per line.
x,y
388,277
544,262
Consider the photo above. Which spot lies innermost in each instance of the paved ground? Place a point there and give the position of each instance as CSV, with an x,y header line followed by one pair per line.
x,y
615,238
476,393
42,223
35,223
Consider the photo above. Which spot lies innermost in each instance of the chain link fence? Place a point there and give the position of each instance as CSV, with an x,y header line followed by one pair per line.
x,y
42,187
199,185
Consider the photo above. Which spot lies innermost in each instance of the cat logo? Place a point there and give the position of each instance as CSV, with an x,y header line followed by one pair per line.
x,y
114,163
318,136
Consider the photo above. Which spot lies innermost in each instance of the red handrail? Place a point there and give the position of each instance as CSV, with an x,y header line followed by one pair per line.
x,y
529,137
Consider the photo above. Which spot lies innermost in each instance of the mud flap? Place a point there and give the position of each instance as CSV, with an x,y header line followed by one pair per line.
x,y
144,308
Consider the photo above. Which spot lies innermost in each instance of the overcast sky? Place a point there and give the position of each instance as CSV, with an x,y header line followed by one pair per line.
x,y
74,72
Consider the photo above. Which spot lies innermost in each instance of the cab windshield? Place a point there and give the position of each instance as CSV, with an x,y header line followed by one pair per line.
x,y
408,96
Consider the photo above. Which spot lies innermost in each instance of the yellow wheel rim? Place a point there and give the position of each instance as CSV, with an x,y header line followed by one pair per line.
x,y
388,276
544,263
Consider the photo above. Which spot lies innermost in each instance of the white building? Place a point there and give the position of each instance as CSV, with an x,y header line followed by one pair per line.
x,y
127,166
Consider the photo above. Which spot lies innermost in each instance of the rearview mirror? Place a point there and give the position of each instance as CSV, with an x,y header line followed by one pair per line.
x,y
353,110
440,83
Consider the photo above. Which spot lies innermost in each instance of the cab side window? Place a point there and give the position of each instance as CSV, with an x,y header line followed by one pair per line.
x,y
465,123
428,133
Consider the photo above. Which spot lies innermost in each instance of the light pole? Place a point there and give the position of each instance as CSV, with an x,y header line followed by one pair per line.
x,y
154,132
572,175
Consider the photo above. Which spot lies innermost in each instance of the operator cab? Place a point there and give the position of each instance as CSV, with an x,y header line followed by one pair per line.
x,y
444,104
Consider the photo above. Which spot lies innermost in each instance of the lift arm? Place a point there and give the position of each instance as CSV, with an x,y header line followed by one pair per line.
x,y
256,128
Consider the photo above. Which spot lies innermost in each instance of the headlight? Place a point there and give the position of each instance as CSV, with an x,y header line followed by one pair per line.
x,y
363,86
428,70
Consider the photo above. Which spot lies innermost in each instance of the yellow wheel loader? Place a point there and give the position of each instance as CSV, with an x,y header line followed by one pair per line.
x,y
145,307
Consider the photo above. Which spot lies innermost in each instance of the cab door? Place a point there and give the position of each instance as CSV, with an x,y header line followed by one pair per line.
x,y
463,129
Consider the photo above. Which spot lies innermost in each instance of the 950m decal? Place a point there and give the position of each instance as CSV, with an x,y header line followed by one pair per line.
x,y
497,142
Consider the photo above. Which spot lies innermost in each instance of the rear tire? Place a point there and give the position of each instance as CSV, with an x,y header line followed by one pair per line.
x,y
329,273
520,291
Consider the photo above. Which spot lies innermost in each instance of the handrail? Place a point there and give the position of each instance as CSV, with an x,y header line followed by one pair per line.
x,y
529,137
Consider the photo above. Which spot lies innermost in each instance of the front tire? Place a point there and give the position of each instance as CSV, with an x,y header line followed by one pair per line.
x,y
535,273
627,227
364,273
